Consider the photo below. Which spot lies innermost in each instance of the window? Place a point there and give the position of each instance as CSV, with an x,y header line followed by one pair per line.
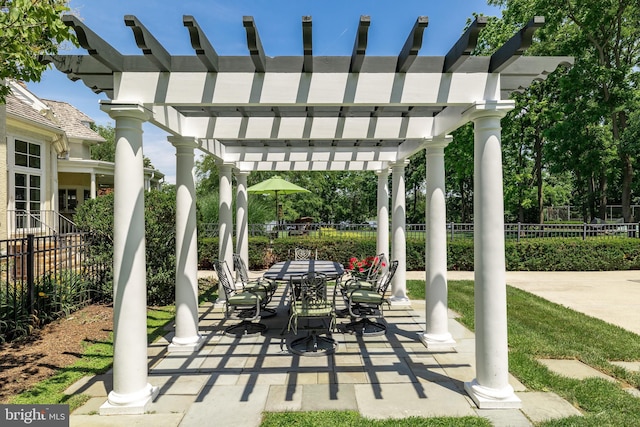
x,y
67,200
27,154
27,193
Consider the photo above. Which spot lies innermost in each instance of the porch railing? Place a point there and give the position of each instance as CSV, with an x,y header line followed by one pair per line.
x,y
40,223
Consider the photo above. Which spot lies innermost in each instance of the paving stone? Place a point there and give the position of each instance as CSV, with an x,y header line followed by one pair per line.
x,y
179,384
328,397
629,366
405,400
238,406
505,417
539,406
573,369
156,420
94,386
284,398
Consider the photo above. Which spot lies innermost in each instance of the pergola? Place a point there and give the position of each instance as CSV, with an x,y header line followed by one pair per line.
x,y
307,113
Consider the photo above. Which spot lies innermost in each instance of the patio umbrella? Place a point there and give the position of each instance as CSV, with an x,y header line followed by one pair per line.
x,y
276,185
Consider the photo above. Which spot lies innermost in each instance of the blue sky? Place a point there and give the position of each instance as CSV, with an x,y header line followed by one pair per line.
x,y
279,24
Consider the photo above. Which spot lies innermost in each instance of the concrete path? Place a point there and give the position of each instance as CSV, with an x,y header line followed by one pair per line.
x,y
612,296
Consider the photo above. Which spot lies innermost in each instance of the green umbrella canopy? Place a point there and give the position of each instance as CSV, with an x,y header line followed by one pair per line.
x,y
276,185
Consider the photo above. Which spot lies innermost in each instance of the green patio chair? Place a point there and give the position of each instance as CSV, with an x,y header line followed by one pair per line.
x,y
246,305
364,305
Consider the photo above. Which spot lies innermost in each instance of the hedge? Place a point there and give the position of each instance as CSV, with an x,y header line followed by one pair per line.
x,y
546,254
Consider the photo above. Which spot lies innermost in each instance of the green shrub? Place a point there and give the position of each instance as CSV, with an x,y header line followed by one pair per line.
x,y
160,230
544,254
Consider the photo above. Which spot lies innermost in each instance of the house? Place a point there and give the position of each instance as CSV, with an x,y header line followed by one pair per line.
x,y
47,170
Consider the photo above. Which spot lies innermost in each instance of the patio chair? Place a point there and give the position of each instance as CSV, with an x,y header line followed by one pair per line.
x,y
245,305
312,303
364,305
303,254
243,282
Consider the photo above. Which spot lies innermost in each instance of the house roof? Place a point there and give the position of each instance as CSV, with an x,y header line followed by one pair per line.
x,y
20,109
72,121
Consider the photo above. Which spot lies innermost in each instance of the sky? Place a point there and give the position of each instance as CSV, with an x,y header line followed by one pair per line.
x,y
335,23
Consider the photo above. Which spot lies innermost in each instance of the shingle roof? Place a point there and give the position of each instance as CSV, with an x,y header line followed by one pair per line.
x,y
70,119
25,111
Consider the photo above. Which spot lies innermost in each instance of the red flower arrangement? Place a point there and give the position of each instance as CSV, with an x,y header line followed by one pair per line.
x,y
359,266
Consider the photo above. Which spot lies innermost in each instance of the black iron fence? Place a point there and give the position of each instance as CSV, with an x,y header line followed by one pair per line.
x,y
515,231
46,277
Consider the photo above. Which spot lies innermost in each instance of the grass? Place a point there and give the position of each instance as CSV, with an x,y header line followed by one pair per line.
x,y
354,419
96,359
541,329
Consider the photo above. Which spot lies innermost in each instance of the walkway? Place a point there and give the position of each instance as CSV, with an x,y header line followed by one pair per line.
x,y
231,382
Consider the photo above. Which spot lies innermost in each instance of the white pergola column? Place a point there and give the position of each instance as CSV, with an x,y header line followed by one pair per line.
x,y
225,221
382,235
437,328
242,216
93,191
187,338
131,392
490,388
399,240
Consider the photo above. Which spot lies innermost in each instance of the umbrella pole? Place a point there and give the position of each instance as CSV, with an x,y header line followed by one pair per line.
x,y
277,217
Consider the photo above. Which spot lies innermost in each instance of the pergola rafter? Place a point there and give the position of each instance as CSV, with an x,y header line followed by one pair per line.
x,y
308,113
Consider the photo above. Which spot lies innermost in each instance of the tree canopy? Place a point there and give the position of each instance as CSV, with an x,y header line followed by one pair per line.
x,y
29,29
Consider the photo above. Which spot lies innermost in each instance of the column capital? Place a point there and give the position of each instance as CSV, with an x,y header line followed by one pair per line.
x,y
183,141
382,172
400,164
486,109
124,109
438,143
238,172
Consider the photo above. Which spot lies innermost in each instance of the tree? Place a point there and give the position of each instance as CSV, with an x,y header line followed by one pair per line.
x,y
604,36
28,29
106,151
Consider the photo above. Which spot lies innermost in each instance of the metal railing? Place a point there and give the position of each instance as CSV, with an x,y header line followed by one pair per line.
x,y
455,231
46,222
45,277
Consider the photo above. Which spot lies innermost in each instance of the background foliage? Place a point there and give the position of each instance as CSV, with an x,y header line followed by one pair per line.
x,y
96,215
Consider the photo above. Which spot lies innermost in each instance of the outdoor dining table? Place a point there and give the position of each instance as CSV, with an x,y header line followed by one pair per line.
x,y
292,271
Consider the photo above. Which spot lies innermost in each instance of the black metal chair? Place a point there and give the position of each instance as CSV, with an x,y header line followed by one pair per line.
x,y
303,254
364,305
245,305
310,301
243,280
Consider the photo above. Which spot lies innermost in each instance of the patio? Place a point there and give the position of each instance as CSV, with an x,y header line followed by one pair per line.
x,y
232,381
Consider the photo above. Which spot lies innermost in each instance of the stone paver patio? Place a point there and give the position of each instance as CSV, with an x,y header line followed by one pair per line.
x,y
232,381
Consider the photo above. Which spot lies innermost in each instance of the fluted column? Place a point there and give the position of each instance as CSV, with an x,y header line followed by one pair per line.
x,y
225,221
398,228
490,388
131,392
437,328
242,216
382,235
187,338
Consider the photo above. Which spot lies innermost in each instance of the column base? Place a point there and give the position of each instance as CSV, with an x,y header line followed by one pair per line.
x,y
437,341
220,303
400,302
186,345
129,404
491,398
